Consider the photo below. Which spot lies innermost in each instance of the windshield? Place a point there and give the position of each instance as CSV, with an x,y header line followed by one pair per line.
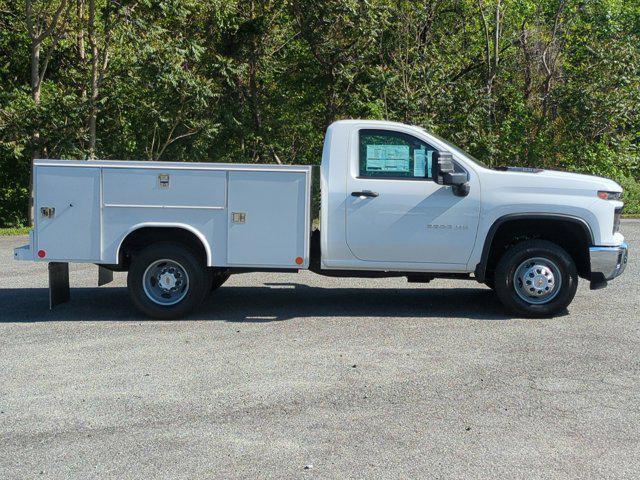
x,y
457,149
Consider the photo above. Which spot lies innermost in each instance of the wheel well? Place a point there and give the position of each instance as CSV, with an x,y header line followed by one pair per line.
x,y
573,236
145,236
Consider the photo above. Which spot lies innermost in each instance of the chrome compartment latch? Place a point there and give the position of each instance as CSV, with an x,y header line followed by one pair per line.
x,y
47,212
238,217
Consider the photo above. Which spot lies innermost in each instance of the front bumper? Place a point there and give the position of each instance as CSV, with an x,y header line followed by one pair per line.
x,y
607,263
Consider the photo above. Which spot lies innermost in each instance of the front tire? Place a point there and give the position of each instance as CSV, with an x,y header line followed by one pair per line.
x,y
167,281
536,278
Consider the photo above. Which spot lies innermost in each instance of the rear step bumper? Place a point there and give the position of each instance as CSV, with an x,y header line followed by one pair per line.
x,y
23,253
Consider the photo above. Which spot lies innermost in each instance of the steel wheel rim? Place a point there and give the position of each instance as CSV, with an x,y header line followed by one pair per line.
x,y
165,282
537,280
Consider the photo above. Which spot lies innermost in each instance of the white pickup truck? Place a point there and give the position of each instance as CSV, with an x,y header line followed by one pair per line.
x,y
395,200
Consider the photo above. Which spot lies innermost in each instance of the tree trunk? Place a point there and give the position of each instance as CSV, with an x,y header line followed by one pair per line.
x,y
254,100
35,72
93,113
80,34
35,93
82,54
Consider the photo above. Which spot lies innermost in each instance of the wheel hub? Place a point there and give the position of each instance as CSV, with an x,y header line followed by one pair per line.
x,y
165,282
537,280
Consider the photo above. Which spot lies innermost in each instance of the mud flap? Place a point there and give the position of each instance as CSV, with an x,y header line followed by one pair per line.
x,y
58,283
104,276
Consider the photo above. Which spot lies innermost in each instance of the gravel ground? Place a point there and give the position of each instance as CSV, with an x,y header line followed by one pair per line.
x,y
300,376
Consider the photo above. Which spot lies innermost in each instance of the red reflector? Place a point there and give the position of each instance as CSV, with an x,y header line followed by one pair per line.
x,y
299,260
42,253
603,195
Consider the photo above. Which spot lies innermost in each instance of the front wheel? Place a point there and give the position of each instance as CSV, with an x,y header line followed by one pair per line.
x,y
167,281
536,278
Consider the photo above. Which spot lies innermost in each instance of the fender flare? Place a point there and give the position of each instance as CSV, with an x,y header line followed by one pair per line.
x,y
481,267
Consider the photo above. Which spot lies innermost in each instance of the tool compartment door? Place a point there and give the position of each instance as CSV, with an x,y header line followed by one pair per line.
x,y
72,232
267,219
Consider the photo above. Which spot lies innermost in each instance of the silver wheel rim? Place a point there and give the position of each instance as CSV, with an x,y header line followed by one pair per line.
x,y
537,280
165,282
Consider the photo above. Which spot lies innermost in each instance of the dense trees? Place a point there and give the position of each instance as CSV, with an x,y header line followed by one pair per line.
x,y
554,83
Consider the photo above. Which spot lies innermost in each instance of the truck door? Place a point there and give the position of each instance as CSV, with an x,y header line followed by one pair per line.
x,y
395,212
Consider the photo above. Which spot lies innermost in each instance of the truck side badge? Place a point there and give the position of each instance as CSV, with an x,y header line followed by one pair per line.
x,y
163,180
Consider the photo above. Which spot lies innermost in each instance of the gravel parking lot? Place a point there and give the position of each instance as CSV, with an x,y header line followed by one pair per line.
x,y
301,376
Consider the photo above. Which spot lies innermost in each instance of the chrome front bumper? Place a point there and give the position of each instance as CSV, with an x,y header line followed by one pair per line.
x,y
607,263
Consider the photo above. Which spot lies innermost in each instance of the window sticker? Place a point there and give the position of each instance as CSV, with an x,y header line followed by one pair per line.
x,y
388,158
419,163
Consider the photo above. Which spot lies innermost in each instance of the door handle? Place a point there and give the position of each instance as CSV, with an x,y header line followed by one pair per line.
x,y
365,193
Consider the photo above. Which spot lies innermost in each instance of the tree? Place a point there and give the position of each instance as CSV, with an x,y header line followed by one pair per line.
x,y
99,62
44,23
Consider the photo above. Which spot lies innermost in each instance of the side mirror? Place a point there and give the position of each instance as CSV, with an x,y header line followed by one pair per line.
x,y
444,173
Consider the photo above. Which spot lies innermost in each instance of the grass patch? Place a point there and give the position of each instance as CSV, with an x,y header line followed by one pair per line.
x,y
14,231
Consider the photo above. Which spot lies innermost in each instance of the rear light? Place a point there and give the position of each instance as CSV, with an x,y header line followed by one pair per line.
x,y
616,219
609,195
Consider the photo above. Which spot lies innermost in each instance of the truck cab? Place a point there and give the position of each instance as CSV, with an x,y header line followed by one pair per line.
x,y
387,207
395,200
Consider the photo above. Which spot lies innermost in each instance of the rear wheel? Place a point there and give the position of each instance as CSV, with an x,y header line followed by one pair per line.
x,y
167,281
536,278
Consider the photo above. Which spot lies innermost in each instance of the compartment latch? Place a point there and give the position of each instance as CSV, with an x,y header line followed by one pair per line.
x,y
47,212
238,217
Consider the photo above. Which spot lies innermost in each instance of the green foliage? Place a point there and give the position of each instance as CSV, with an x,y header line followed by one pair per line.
x,y
557,85
631,196
13,206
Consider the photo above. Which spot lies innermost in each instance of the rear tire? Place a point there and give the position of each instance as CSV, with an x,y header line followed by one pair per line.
x,y
167,281
536,278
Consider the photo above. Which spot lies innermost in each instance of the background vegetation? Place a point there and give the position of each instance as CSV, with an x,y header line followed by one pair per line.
x,y
550,83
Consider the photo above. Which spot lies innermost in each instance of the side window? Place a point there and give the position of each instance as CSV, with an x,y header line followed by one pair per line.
x,y
388,154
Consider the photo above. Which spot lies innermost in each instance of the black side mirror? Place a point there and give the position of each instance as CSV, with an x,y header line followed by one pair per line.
x,y
444,173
